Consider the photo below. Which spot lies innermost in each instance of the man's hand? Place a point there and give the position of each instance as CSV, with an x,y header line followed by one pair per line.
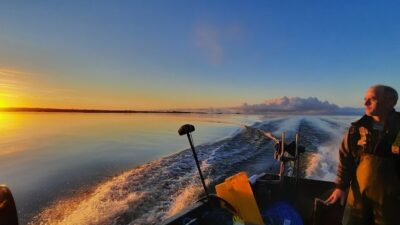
x,y
336,195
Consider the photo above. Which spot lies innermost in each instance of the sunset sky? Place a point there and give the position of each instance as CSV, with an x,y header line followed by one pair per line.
x,y
187,54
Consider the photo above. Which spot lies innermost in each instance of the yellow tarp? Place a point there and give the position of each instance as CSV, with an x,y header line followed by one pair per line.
x,y
237,191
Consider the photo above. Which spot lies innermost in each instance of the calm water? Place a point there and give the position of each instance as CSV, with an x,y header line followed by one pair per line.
x,y
47,156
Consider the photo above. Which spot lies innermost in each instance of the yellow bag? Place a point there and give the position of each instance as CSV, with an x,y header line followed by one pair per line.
x,y
237,191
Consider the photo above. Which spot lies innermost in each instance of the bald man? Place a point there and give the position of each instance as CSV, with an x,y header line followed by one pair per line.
x,y
369,163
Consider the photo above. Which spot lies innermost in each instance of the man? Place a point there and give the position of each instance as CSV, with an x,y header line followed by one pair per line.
x,y
369,163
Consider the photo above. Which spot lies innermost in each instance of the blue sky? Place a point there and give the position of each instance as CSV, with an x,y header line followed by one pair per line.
x,y
186,54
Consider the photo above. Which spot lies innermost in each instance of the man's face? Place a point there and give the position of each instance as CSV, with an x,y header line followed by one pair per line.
x,y
374,103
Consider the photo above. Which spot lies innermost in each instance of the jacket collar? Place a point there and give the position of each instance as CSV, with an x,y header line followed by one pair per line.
x,y
366,121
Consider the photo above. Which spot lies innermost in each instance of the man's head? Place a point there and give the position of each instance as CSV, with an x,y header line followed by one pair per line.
x,y
379,100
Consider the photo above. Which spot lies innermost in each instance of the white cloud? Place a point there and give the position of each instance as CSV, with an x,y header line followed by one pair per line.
x,y
297,105
208,39
290,105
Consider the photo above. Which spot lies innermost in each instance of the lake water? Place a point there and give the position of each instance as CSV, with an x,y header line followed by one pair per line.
x,y
72,168
47,155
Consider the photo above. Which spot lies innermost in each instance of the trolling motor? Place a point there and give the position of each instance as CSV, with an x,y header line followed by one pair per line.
x,y
292,151
187,129
218,215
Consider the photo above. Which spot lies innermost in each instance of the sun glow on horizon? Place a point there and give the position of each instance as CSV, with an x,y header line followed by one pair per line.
x,y
8,100
3,103
7,122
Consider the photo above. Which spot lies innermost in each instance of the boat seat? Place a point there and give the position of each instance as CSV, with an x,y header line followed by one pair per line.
x,y
327,214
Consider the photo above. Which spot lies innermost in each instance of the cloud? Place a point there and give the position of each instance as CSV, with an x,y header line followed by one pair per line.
x,y
7,72
12,80
289,105
211,39
311,105
18,83
207,38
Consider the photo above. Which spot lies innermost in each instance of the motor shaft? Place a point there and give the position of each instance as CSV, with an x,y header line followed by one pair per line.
x,y
197,164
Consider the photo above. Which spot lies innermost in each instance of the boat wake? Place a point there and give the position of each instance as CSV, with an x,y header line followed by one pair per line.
x,y
158,189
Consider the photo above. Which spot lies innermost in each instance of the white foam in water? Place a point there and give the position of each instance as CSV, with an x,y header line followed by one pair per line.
x,y
323,164
290,126
100,207
286,124
185,198
324,125
145,195
116,199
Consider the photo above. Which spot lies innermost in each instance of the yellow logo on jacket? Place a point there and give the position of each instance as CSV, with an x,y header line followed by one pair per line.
x,y
396,145
363,136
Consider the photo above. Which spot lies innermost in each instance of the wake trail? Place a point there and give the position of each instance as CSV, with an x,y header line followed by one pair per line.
x,y
323,136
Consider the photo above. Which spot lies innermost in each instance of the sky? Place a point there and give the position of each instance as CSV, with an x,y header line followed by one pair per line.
x,y
149,55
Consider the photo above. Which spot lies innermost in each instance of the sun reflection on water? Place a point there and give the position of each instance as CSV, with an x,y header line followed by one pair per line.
x,y
7,122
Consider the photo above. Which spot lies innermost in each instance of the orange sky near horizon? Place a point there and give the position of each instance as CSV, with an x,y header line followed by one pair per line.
x,y
19,88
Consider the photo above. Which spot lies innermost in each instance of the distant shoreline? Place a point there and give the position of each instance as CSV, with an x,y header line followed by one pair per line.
x,y
56,110
93,110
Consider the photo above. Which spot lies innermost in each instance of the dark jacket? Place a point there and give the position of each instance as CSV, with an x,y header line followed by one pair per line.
x,y
372,141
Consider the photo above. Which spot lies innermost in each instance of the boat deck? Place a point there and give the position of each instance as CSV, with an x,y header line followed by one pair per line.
x,y
300,195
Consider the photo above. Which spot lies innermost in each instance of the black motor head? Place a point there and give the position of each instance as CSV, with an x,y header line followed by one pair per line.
x,y
185,129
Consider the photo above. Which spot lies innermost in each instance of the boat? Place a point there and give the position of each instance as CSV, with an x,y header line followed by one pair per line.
x,y
271,199
266,198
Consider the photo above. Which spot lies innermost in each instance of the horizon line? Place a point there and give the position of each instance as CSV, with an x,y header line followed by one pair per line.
x,y
39,109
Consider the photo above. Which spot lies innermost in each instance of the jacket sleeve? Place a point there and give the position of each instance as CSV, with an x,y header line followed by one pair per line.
x,y
347,164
